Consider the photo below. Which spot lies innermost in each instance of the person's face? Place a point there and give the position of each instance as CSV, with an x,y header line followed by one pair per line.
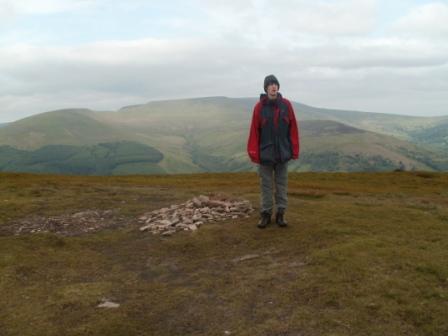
x,y
272,90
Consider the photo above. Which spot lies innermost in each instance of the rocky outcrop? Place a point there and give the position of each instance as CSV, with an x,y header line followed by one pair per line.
x,y
194,213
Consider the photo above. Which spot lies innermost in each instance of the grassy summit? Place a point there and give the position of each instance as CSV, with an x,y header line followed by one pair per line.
x,y
365,254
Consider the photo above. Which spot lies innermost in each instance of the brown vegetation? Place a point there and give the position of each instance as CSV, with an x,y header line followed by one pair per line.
x,y
364,254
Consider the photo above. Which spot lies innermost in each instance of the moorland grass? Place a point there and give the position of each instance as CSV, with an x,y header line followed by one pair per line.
x,y
364,254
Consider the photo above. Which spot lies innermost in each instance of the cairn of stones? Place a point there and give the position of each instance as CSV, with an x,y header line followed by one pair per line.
x,y
194,213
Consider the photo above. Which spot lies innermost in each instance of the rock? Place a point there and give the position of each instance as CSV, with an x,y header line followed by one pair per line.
x,y
197,203
205,210
146,227
165,222
203,198
297,264
239,214
193,213
246,257
216,203
108,304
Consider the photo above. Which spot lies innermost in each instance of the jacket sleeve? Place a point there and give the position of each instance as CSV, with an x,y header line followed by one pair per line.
x,y
293,132
253,147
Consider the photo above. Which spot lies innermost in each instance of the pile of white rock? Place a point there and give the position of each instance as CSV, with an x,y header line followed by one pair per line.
x,y
193,213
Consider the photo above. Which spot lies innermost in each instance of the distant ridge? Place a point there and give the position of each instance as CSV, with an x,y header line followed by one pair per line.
x,y
174,100
209,135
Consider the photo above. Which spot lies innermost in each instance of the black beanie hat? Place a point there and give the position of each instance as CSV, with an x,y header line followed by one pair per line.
x,y
270,79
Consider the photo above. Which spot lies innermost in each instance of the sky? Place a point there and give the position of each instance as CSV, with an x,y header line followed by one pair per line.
x,y
367,55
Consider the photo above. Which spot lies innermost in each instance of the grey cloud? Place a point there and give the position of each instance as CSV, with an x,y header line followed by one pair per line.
x,y
320,63
292,18
166,70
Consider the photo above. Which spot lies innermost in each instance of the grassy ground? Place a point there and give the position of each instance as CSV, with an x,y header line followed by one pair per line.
x,y
364,254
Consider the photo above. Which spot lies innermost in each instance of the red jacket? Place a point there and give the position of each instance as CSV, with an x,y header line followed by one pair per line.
x,y
258,123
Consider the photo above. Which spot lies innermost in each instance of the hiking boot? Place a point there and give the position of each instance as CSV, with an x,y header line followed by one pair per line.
x,y
265,220
279,218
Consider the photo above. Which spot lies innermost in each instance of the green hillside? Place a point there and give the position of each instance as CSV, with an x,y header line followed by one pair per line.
x,y
102,159
436,136
332,146
210,134
215,130
62,127
188,114
184,115
325,146
420,130
77,127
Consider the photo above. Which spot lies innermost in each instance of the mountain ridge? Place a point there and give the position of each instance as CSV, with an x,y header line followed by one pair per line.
x,y
209,134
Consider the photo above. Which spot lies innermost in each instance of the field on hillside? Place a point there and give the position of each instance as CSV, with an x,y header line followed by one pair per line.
x,y
364,254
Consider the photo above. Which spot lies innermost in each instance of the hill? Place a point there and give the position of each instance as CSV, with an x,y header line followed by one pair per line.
x,y
400,126
364,254
102,159
61,127
209,135
435,136
215,130
332,146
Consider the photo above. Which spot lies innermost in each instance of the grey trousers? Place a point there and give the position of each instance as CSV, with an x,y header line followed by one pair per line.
x,y
269,176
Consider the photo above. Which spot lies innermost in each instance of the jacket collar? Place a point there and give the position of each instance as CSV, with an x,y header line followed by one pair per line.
x,y
264,99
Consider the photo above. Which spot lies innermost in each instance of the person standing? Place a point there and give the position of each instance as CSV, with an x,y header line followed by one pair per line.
x,y
273,141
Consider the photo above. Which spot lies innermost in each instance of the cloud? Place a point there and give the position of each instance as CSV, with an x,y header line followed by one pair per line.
x,y
326,17
283,20
12,10
325,53
379,52
115,63
426,20
157,68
